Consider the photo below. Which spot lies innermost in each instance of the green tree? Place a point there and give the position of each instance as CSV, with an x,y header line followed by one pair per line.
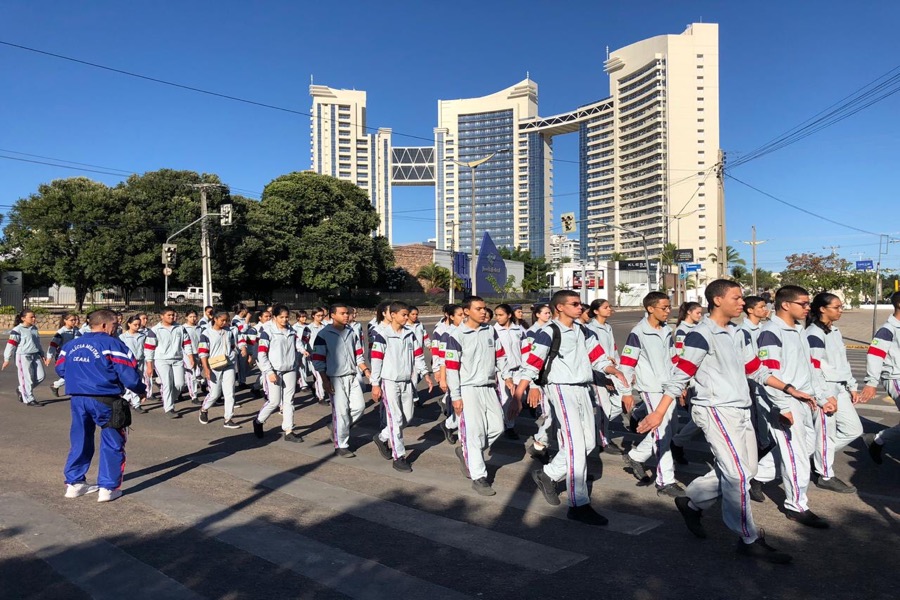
x,y
503,290
618,256
536,268
622,288
732,257
436,276
816,272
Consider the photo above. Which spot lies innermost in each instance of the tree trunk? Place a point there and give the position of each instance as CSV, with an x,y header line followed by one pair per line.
x,y
80,293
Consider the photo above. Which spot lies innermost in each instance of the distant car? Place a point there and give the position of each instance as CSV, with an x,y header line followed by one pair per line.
x,y
194,294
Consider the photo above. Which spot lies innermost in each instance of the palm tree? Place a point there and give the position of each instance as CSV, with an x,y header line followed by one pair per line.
x,y
435,275
732,257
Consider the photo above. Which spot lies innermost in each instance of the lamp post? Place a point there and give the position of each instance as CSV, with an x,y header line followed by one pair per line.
x,y
678,297
451,297
474,164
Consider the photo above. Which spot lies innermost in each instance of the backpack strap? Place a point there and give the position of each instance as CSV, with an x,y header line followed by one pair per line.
x,y
555,341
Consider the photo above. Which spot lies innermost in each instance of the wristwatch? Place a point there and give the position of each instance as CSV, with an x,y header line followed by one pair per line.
x,y
786,388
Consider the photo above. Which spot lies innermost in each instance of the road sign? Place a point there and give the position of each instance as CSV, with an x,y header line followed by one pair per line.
x,y
865,265
692,267
167,271
568,222
684,255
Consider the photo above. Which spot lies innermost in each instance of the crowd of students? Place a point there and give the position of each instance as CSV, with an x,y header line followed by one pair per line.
x,y
771,394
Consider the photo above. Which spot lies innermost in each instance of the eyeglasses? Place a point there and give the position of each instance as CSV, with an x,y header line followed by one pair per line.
x,y
801,304
573,303
666,308
838,307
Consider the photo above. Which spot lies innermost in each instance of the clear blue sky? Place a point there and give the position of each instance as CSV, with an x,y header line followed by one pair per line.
x,y
780,64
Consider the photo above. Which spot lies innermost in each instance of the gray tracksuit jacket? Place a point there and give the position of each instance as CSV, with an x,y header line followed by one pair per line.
x,y
883,358
167,344
396,355
23,340
580,354
784,349
648,357
337,352
473,358
278,350
830,356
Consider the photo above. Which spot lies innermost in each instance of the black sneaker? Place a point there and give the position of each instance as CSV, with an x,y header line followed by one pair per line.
x,y
875,450
143,410
204,417
756,491
33,403
258,393
258,429
344,452
612,448
511,434
672,490
172,414
483,487
449,434
834,485
383,447
196,401
808,518
463,467
691,517
55,390
401,465
586,514
229,424
542,455
290,436
760,549
678,454
546,485
636,468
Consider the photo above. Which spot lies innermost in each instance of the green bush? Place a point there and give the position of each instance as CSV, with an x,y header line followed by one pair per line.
x,y
7,310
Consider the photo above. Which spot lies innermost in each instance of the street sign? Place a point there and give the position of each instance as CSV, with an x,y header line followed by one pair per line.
x,y
865,265
692,267
684,255
167,271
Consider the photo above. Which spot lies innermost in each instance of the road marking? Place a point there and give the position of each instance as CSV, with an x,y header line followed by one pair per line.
x,y
98,567
449,532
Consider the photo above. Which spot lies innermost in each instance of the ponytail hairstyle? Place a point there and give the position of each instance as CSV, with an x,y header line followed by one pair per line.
x,y
62,319
380,310
595,306
132,319
509,311
821,300
686,307
21,316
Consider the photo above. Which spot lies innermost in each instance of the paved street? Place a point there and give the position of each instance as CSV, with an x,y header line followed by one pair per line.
x,y
213,513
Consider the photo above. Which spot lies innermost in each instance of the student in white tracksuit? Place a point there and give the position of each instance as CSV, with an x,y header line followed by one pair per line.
x,y
610,403
784,349
134,339
68,331
689,314
883,366
165,346
337,355
472,360
192,374
453,318
309,341
217,340
357,327
424,341
647,359
279,351
239,324
717,357
538,445
250,341
147,377
510,335
24,346
569,379
304,369
398,359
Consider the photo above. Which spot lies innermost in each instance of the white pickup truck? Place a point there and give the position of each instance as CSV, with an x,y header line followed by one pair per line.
x,y
192,294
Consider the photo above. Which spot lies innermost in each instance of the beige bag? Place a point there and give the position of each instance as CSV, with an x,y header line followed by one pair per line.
x,y
219,362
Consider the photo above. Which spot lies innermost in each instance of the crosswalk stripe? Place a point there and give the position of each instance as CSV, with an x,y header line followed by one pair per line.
x,y
98,567
618,522
346,573
449,532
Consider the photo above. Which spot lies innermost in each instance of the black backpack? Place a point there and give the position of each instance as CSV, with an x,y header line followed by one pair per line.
x,y
555,341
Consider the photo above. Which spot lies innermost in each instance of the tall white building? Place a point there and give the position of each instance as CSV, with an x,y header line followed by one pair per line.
x,y
563,247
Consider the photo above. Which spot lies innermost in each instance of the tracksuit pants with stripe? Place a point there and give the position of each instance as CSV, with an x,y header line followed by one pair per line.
x,y
609,406
892,434
794,447
834,432
171,380
133,399
30,369
397,402
656,443
347,406
87,415
191,377
576,432
284,389
221,383
480,424
729,431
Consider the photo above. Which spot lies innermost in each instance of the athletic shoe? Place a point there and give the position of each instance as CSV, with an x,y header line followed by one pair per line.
x,y
483,487
449,434
542,455
636,468
172,414
756,491
401,465
258,393
76,490
586,514
834,485
672,490
258,429
196,401
344,452
55,390
463,467
229,424
383,447
612,448
511,434
808,518
546,485
290,436
204,417
678,454
33,403
106,495
691,517
875,450
760,549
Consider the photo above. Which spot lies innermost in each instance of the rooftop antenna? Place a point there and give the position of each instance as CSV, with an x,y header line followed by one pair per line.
x,y
310,79
527,75
607,52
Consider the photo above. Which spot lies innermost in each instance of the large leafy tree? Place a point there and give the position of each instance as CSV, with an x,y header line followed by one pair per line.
x,y
816,272
536,268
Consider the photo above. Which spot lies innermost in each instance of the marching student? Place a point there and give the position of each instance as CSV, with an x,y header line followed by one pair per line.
x,y
146,376
250,340
206,320
422,338
397,359
689,314
755,312
647,359
510,335
166,346
453,318
192,373
538,445
718,357
609,400
68,330
472,361
519,314
303,367
883,366
784,349
568,374
337,355
218,351
279,349
826,345
25,343
309,340
239,323
134,338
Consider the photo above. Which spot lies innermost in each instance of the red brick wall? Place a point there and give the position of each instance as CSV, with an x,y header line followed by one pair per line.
x,y
413,257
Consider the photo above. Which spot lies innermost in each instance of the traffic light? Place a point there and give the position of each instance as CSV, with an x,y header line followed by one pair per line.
x,y
169,254
226,216
568,222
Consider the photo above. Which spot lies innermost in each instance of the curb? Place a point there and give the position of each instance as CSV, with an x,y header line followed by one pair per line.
x,y
856,346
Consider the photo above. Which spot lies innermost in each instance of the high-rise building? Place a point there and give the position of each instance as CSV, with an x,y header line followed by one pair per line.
x,y
563,248
648,156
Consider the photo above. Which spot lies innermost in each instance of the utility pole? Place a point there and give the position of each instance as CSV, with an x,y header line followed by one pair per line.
x,y
720,209
205,263
754,243
452,296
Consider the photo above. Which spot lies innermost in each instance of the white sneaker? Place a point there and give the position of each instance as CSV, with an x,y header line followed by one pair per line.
x,y
106,495
75,490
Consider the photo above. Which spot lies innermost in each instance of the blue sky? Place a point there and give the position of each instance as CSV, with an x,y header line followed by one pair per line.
x,y
780,64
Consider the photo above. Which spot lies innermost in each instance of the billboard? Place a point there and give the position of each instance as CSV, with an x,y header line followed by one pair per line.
x,y
490,265
591,282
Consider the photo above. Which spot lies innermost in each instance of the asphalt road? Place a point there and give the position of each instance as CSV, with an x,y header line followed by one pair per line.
x,y
215,513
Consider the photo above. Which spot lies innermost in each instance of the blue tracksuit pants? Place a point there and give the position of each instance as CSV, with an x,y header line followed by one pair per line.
x,y
87,415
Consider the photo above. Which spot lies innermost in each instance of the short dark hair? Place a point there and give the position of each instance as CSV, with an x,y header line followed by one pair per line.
x,y
397,306
560,298
164,310
101,316
280,308
337,305
788,293
718,289
653,298
895,300
468,300
751,302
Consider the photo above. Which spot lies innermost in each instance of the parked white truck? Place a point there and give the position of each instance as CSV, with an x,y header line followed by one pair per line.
x,y
192,294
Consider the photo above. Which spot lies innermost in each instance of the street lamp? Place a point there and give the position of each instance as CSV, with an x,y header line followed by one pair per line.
x,y
678,217
474,164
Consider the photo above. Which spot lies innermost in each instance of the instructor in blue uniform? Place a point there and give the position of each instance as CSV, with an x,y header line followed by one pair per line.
x,y
98,368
